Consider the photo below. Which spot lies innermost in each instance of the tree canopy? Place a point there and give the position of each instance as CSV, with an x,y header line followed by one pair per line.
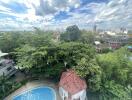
x,y
64,55
72,34
109,74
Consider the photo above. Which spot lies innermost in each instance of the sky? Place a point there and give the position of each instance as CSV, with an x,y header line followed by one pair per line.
x,y
58,14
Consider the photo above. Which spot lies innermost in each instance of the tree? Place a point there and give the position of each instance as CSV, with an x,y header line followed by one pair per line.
x,y
72,34
52,60
24,57
113,91
116,66
116,75
87,37
91,72
9,41
5,86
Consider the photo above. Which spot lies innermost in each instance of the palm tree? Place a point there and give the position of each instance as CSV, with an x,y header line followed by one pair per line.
x,y
5,85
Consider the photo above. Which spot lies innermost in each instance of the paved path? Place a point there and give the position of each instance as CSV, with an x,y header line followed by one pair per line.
x,y
34,84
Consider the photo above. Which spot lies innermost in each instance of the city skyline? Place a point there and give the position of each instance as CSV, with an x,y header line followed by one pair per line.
x,y
58,14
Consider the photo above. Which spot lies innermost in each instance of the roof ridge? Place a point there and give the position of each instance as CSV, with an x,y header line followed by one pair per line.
x,y
72,82
68,75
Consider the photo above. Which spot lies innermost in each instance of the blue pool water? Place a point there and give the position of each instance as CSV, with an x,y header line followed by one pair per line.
x,y
40,93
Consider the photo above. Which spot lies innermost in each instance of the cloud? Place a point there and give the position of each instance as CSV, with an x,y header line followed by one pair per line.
x,y
44,9
114,14
52,14
15,6
54,6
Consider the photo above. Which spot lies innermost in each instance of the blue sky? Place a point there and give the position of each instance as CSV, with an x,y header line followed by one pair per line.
x,y
57,14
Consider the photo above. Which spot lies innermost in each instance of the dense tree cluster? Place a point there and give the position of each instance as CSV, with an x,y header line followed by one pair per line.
x,y
72,34
116,74
11,40
52,60
8,86
109,74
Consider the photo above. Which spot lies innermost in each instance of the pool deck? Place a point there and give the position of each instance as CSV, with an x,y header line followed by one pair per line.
x,y
34,84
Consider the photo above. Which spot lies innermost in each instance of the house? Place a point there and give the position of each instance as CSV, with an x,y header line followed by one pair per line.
x,y
6,65
72,87
101,47
116,41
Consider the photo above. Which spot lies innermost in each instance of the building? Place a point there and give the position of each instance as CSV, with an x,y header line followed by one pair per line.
x,y
114,40
56,36
95,28
6,65
101,47
117,41
72,87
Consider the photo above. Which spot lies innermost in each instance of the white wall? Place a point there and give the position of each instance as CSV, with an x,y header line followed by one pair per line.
x,y
63,93
81,95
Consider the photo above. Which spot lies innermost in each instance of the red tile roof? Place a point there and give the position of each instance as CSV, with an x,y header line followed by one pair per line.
x,y
71,82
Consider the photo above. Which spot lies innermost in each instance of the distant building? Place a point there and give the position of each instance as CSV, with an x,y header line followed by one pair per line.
x,y
123,30
117,41
72,87
114,40
95,28
56,36
100,47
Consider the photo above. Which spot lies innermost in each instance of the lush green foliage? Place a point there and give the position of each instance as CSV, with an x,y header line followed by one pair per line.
x,y
51,61
72,34
91,72
87,37
116,66
11,40
7,86
108,74
113,91
117,71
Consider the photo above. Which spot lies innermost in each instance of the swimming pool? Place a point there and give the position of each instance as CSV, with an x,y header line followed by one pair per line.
x,y
39,93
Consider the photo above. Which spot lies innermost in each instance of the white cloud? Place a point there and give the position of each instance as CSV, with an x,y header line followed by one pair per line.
x,y
54,6
115,13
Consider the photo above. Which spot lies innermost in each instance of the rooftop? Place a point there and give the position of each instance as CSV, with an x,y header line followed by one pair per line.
x,y
71,82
